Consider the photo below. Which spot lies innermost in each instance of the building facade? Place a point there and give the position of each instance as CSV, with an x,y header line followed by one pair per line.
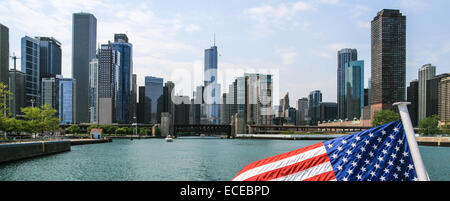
x,y
84,41
388,60
153,94
354,89
123,105
344,56
328,111
302,111
17,100
49,92
444,100
108,67
426,72
50,56
93,91
433,94
4,54
30,66
67,96
315,98
413,98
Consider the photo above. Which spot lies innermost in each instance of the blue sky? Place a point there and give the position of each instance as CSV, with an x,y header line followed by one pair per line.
x,y
298,38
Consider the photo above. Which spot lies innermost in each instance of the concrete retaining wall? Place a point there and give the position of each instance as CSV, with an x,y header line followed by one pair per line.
x,y
18,151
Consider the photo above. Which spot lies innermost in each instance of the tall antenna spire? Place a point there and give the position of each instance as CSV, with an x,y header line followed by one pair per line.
x,y
214,39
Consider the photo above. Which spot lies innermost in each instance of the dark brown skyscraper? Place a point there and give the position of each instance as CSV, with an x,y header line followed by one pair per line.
x,y
388,73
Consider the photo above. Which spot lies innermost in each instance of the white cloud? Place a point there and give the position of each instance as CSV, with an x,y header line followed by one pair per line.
x,y
287,56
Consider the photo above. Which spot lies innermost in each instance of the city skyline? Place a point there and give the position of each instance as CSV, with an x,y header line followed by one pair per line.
x,y
167,42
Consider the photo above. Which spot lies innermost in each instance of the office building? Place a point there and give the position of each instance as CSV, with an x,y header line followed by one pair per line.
x,y
153,94
108,67
124,79
67,96
134,91
50,57
413,97
328,111
17,100
302,111
315,97
388,60
344,56
354,89
49,92
30,66
426,72
84,41
4,54
141,105
93,91
182,110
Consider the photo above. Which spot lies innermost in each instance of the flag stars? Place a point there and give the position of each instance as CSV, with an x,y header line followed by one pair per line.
x,y
396,129
359,177
344,159
367,142
405,154
330,146
339,148
344,141
386,170
353,144
383,132
380,159
397,148
384,151
371,154
393,156
375,146
357,138
379,139
382,178
373,173
349,172
354,164
363,149
348,152
334,156
410,166
400,141
370,134
406,174
391,136
377,166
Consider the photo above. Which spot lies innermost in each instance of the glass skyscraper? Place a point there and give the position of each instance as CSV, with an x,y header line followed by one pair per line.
x,y
84,42
354,89
50,56
344,56
153,95
67,96
124,77
93,91
30,66
315,98
212,93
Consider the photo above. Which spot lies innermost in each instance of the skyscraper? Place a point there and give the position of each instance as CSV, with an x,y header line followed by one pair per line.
x,y
354,89
212,94
388,60
444,100
259,98
315,98
50,57
30,66
93,91
18,100
84,41
432,96
124,78
141,105
413,97
426,72
108,67
49,92
153,95
344,56
67,96
328,111
4,54
302,111
134,91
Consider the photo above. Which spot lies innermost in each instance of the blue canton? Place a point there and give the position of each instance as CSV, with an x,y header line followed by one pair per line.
x,y
376,154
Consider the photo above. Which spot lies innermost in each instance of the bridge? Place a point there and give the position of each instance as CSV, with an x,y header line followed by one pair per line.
x,y
198,129
273,129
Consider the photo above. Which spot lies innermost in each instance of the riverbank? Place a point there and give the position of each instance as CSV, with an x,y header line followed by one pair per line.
x,y
19,151
425,141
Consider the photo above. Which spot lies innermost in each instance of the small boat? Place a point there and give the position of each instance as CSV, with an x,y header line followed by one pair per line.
x,y
168,138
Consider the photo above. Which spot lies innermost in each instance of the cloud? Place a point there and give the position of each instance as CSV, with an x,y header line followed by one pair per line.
x,y
287,56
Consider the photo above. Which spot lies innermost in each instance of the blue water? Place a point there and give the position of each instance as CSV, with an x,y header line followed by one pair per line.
x,y
182,159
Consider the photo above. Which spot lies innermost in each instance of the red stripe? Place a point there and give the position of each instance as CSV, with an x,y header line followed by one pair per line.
x,y
291,169
278,157
326,176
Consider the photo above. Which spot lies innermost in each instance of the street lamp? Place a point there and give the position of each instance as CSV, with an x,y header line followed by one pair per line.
x,y
32,102
135,124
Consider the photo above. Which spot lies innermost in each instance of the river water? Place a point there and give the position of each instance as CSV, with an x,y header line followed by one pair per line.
x,y
180,160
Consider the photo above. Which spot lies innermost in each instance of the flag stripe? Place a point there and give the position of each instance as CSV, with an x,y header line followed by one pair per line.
x,y
286,161
278,157
291,169
327,176
308,173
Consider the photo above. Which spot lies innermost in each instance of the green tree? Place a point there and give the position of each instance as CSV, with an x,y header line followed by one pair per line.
x,y
73,129
4,98
48,117
33,116
429,125
384,116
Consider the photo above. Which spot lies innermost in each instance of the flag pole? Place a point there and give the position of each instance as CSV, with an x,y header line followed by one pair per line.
x,y
412,143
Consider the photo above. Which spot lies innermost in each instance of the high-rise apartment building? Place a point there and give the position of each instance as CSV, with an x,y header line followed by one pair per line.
x,y
426,72
432,97
108,67
50,57
444,100
93,91
315,98
413,97
84,41
388,60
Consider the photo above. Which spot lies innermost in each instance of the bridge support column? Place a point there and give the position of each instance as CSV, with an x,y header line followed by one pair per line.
x,y
166,124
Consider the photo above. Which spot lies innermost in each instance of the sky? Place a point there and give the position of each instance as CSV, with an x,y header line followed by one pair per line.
x,y
297,40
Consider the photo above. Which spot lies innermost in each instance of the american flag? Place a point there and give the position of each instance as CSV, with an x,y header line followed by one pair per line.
x,y
376,154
